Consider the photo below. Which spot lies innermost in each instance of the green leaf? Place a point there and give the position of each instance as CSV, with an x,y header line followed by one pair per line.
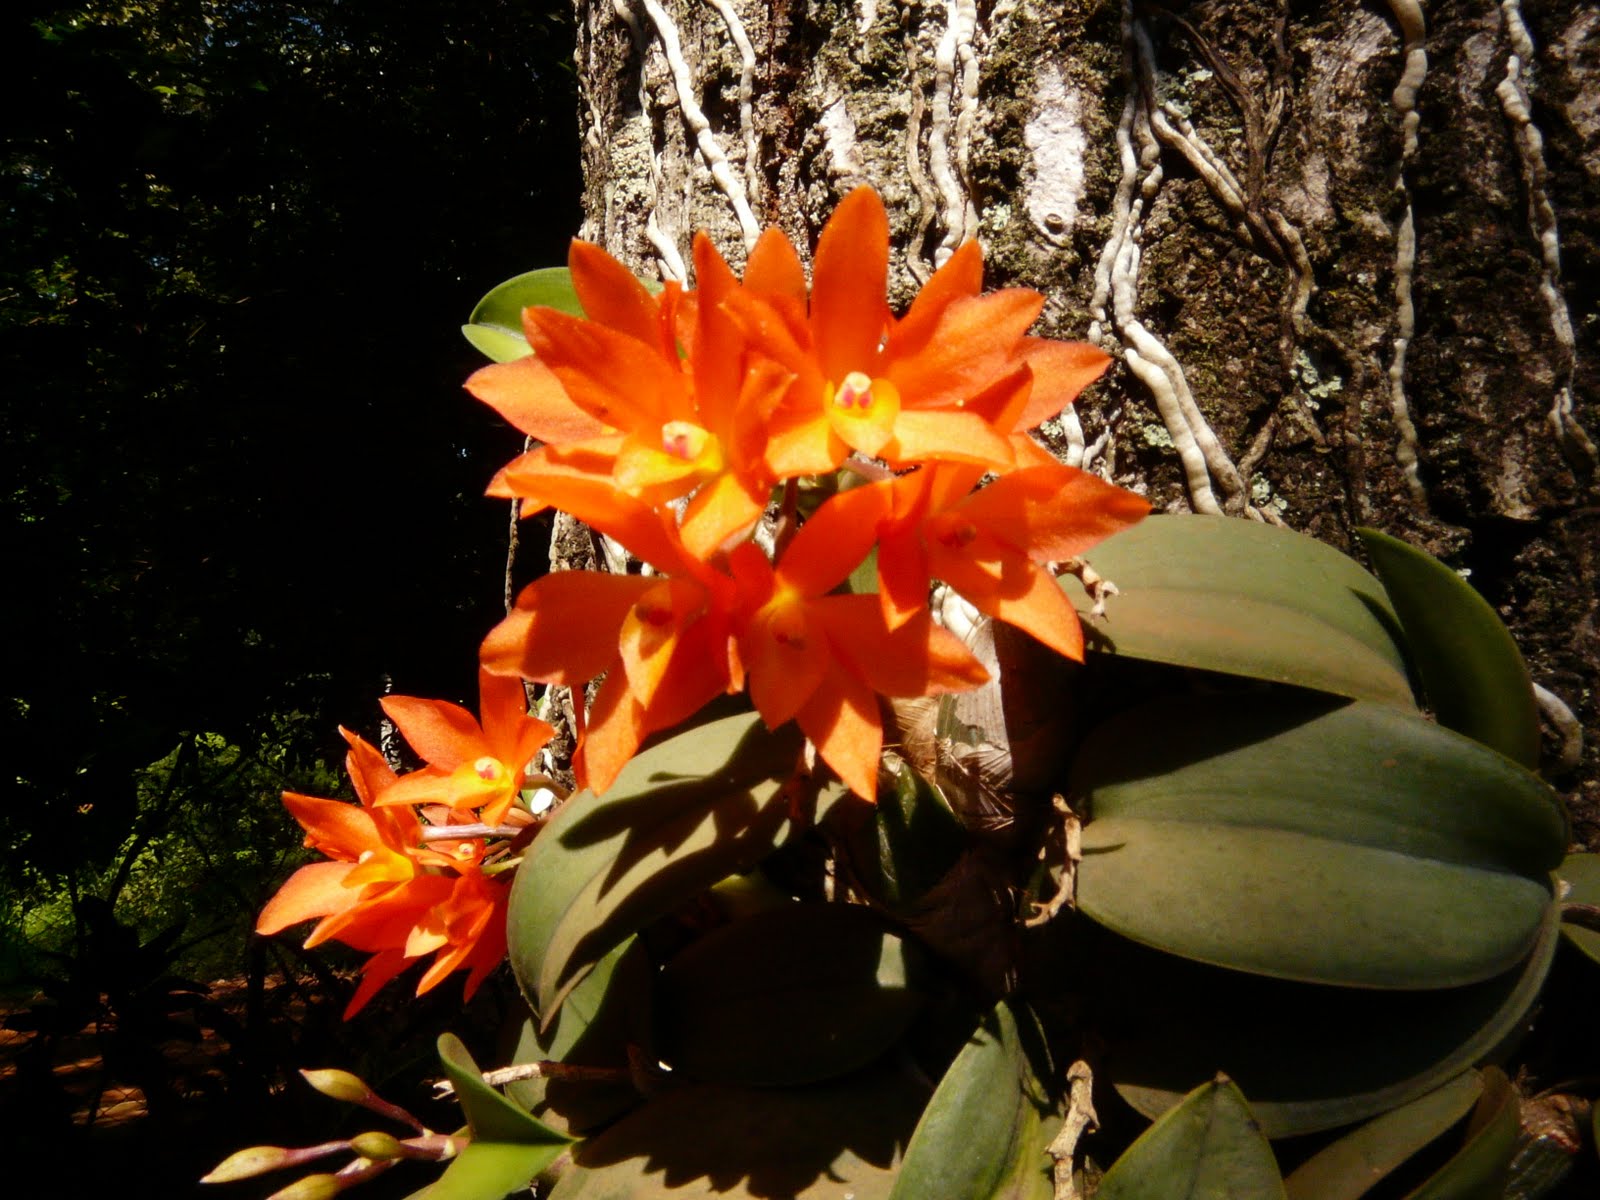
x,y
1480,1168
495,326
1582,871
607,1012
982,1136
1207,1148
1471,670
1247,599
1349,1167
717,1142
489,1171
490,1115
919,840
793,995
1300,837
685,813
1312,1057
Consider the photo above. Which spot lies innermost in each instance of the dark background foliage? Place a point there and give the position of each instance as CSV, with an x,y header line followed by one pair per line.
x,y
243,487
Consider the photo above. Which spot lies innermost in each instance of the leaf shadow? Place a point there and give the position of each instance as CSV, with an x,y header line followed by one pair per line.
x,y
771,1142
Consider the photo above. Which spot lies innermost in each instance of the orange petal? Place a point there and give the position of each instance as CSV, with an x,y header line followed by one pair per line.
x,y
773,269
1010,588
614,378
529,396
835,540
611,294
959,278
314,890
565,627
903,578
616,726
1060,371
444,735
842,720
503,714
1052,513
369,771
379,970
647,533
720,511
650,631
530,474
802,445
946,435
849,313
334,828
917,659
785,659
969,348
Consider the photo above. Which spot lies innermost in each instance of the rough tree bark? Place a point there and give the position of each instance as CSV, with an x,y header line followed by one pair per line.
x,y
1347,255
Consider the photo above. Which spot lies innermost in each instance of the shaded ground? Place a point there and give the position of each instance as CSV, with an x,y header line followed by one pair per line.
x,y
221,1080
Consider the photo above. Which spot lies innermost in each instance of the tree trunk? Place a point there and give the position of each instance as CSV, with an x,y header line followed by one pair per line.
x,y
1347,257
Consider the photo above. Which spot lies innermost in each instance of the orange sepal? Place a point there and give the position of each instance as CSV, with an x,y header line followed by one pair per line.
x,y
1012,589
564,628
843,722
530,397
1054,512
1060,371
444,735
610,293
315,890
849,312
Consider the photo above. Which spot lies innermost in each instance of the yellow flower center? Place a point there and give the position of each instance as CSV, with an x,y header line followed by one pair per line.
x,y
684,440
862,411
490,770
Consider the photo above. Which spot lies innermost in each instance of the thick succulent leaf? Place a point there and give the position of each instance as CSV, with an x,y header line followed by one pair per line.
x,y
983,1135
1312,1057
495,326
603,1016
491,1117
1332,842
489,1171
1246,599
1348,1168
793,995
1207,1148
1582,872
1471,671
819,1142
686,812
1479,1169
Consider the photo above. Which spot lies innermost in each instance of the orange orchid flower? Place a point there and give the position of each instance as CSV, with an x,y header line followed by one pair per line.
x,y
659,426
823,659
899,390
662,642
384,891
470,765
993,545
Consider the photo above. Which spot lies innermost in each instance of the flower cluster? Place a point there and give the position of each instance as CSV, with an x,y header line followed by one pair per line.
x,y
668,422
413,866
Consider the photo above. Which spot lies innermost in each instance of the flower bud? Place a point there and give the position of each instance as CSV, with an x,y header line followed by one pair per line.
x,y
340,1085
244,1164
377,1145
312,1187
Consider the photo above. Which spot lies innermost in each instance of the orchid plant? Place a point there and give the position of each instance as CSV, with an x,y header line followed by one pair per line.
x,y
880,782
